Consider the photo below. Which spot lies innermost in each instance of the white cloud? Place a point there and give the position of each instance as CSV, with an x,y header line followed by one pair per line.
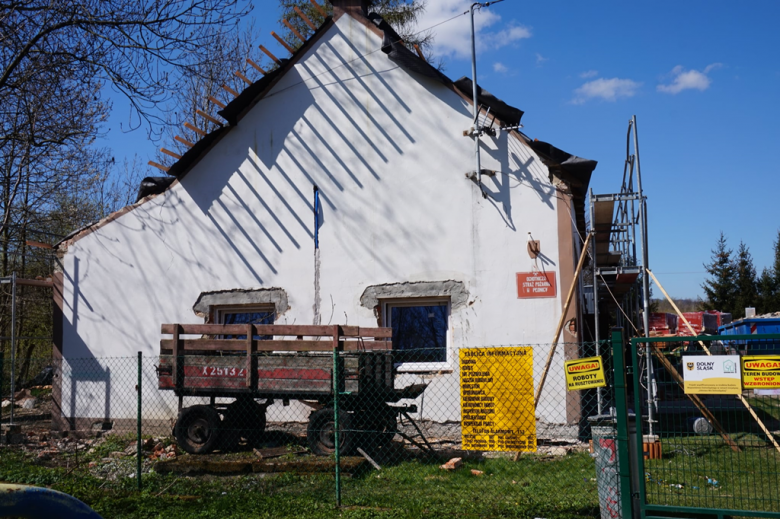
x,y
606,89
540,59
688,79
589,74
453,38
500,68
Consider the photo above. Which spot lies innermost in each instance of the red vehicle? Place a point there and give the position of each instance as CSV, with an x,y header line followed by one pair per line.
x,y
255,365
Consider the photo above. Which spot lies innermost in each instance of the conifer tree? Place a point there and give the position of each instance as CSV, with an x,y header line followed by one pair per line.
x,y
720,289
769,284
746,282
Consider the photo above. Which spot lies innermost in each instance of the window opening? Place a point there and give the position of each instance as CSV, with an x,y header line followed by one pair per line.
x,y
246,315
420,330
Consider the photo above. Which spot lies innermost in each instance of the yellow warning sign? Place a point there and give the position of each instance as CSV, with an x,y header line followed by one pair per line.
x,y
584,373
497,399
761,372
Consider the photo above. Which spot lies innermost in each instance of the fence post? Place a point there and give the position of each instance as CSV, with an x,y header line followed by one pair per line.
x,y
139,451
336,424
621,408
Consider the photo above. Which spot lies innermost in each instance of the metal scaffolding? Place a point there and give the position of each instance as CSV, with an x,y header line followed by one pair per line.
x,y
619,255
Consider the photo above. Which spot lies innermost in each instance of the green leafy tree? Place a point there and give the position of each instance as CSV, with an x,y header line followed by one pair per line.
x,y
746,282
721,288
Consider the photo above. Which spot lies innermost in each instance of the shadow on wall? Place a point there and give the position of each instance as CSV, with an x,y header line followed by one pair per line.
x,y
80,372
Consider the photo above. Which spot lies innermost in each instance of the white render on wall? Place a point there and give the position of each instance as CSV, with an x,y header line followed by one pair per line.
x,y
385,148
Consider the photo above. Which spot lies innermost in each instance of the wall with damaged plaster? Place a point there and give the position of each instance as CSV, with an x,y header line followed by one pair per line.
x,y
386,149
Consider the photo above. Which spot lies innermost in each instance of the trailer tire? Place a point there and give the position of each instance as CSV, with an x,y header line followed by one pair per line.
x,y
244,420
320,433
197,429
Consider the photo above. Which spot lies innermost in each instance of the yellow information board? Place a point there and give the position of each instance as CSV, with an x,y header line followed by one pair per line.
x,y
584,373
497,399
761,371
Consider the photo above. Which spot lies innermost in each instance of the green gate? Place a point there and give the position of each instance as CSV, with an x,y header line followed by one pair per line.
x,y
704,455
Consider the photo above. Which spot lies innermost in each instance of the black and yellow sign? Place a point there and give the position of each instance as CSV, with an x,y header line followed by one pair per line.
x,y
761,372
497,399
584,373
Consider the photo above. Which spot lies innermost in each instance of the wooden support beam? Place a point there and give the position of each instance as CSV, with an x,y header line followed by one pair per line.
x,y
216,101
243,78
170,153
305,18
268,52
419,52
158,166
294,30
46,283
209,118
195,129
184,141
228,89
319,8
283,43
256,66
40,245
559,328
740,397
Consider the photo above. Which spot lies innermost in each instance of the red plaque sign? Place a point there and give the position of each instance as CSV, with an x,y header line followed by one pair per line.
x,y
536,284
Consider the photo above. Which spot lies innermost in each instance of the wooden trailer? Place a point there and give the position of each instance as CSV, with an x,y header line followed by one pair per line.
x,y
244,368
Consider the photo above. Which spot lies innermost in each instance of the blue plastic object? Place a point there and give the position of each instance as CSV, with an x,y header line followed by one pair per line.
x,y
41,503
754,326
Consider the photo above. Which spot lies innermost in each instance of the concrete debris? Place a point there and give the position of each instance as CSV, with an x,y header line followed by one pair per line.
x,y
475,472
27,403
453,464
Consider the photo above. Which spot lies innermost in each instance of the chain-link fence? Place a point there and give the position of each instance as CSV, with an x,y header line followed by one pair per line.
x,y
713,410
399,432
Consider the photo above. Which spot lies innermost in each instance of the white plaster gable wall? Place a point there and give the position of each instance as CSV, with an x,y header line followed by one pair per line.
x,y
387,152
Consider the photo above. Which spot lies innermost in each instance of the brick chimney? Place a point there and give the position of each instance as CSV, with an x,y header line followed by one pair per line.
x,y
353,7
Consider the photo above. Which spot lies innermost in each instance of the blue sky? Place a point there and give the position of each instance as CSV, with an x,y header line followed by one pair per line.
x,y
703,79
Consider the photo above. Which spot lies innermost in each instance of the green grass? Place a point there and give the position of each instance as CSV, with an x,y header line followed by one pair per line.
x,y
532,487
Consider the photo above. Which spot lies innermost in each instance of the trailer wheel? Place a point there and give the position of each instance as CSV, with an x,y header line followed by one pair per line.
x,y
244,420
321,432
197,429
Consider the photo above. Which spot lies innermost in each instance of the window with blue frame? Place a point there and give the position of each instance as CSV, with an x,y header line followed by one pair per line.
x,y
420,329
247,315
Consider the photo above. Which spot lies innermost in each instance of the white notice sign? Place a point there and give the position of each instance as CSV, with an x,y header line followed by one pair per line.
x,y
712,374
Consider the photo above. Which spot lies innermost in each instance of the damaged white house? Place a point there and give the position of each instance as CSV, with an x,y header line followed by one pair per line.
x,y
341,189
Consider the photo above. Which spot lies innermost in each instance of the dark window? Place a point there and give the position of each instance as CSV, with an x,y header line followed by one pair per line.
x,y
419,330
247,316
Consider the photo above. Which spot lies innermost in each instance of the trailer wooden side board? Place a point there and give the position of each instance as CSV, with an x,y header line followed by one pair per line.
x,y
249,362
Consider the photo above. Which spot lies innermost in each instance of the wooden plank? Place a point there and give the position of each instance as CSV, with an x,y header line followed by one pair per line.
x,y
256,66
270,55
358,331
419,52
158,166
217,102
240,345
195,129
35,282
319,8
260,329
171,153
228,89
305,18
184,141
176,347
243,78
283,43
251,349
38,244
209,117
294,30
